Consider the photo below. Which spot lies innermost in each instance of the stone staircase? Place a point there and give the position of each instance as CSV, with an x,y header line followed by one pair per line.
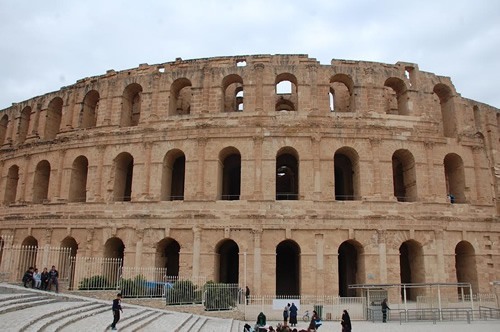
x,y
27,310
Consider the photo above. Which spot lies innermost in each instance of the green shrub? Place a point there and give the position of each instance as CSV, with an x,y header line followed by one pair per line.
x,y
95,282
219,296
181,292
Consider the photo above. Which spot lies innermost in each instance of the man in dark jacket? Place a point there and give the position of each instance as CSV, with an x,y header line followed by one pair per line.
x,y
117,307
54,278
45,279
28,278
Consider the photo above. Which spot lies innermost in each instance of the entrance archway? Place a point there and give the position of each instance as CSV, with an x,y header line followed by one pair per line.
x,y
228,262
350,267
411,263
288,268
465,265
167,256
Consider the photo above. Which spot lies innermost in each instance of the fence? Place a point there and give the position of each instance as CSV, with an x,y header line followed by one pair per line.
x,y
328,307
93,273
16,259
217,296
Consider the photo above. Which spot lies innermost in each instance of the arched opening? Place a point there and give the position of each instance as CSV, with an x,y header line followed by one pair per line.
x,y
230,174
350,267
288,268
286,97
346,168
180,97
447,112
78,181
11,185
2,244
455,178
28,255
340,94
131,105
232,88
173,176
41,182
114,250
89,109
4,122
68,242
404,176
53,118
24,123
396,96
228,262
124,169
465,266
411,264
167,256
287,175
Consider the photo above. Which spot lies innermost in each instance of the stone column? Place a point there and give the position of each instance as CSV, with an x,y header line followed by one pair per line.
x,y
315,140
430,193
24,181
313,92
476,154
320,263
196,251
60,172
202,142
257,261
441,273
382,253
147,170
376,189
257,150
138,247
100,169
259,95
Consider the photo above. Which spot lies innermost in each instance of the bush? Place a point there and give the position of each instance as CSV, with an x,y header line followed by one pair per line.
x,y
220,296
182,291
135,287
95,282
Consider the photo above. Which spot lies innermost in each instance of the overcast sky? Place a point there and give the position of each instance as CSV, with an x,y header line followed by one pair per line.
x,y
49,44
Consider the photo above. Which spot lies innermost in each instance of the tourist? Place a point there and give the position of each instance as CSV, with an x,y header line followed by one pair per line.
x,y
44,277
247,294
53,279
28,278
315,322
346,322
385,307
286,313
293,314
37,278
117,308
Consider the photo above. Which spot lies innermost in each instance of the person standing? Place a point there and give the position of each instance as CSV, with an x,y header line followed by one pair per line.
x,y
293,315
247,294
286,313
117,308
385,307
346,322
53,278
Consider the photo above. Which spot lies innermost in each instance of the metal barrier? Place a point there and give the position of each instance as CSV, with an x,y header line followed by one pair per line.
x,y
488,312
416,315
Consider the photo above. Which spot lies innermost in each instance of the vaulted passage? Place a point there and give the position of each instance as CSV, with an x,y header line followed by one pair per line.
x,y
455,178
349,264
167,256
411,263
465,265
228,262
115,249
287,176
404,176
11,185
41,182
288,268
78,181
231,177
173,176
124,169
346,174
28,254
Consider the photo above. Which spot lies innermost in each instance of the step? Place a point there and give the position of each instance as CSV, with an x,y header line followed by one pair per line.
x,y
45,321
25,305
82,318
140,323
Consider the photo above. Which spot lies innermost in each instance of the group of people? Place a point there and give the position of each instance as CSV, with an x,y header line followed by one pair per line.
x,y
44,280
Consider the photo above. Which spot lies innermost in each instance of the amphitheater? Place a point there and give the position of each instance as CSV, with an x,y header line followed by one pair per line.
x,y
274,172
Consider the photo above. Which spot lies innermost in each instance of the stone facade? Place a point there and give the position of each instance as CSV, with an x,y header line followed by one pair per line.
x,y
272,171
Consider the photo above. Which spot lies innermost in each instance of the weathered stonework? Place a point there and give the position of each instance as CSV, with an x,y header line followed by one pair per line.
x,y
210,156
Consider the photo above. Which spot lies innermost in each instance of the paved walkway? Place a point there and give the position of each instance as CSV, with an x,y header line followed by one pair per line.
x,y
32,310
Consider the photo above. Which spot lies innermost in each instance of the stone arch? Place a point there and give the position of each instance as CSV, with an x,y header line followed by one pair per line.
x,y
114,250
287,174
180,97
232,92
227,261
69,242
455,178
465,266
229,184
24,123
288,268
41,182
53,118
341,87
346,169
131,105
4,122
11,185
173,176
286,92
350,267
89,109
167,256
404,176
445,95
78,180
28,255
124,171
412,269
396,96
